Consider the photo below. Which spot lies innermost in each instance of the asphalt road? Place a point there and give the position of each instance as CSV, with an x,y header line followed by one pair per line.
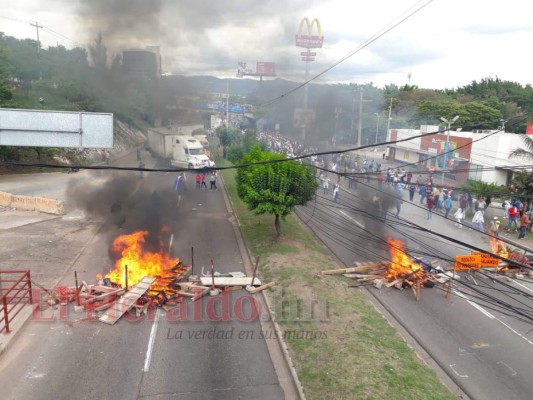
x,y
214,349
485,352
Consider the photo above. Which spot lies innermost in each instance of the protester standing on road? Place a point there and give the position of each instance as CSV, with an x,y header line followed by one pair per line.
x,y
179,186
202,180
325,186
463,203
447,206
399,203
459,215
495,226
412,190
213,181
479,220
430,205
513,218
336,192
506,207
423,193
524,223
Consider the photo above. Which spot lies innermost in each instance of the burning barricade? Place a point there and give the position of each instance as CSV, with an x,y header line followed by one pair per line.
x,y
401,272
145,274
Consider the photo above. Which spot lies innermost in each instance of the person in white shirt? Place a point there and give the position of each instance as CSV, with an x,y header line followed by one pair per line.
x,y
459,215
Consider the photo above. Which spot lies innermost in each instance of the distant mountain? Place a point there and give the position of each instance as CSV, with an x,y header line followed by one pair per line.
x,y
210,84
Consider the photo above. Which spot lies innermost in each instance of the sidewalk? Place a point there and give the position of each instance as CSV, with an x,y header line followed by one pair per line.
x,y
417,213
33,241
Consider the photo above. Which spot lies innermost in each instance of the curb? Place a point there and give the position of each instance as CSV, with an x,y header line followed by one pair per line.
x,y
247,258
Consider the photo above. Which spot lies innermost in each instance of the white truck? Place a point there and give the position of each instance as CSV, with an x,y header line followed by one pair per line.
x,y
182,150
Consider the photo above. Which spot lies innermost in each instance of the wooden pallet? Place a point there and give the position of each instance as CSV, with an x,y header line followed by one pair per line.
x,y
126,302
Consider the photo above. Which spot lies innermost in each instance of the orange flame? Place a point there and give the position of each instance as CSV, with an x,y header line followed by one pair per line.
x,y
140,262
401,265
498,246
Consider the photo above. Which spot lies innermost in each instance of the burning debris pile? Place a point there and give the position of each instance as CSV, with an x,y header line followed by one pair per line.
x,y
136,258
145,274
401,272
499,248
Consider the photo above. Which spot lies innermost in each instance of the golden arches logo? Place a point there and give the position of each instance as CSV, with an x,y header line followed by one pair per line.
x,y
309,40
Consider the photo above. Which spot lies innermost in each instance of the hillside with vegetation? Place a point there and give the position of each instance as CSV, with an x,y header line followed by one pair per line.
x,y
57,78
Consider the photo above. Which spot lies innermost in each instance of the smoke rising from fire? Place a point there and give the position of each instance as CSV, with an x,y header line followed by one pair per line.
x,y
123,205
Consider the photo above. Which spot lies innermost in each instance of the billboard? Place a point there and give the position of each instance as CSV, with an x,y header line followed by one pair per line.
x,y
265,68
47,128
305,36
529,128
262,68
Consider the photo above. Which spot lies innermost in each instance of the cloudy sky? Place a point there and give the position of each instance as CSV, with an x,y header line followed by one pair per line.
x,y
447,44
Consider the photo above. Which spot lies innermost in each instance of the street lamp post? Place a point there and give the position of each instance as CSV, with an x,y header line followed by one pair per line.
x,y
338,111
377,129
447,143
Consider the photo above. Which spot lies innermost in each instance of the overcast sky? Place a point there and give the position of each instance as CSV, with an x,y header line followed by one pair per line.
x,y
447,44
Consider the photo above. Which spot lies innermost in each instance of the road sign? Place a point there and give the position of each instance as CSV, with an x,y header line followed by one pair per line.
x,y
308,53
487,260
308,58
467,262
45,128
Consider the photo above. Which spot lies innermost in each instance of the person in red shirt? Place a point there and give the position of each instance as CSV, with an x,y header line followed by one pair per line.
x,y
513,217
198,180
430,205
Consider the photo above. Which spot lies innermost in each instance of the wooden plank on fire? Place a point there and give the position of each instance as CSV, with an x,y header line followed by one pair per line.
x,y
229,281
123,304
358,269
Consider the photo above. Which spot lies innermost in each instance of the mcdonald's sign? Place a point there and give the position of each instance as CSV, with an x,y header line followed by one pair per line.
x,y
306,38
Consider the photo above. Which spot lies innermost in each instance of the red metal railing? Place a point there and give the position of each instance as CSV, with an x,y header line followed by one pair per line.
x,y
15,293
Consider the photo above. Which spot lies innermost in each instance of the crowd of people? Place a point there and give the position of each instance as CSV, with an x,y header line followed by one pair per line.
x,y
434,198
277,143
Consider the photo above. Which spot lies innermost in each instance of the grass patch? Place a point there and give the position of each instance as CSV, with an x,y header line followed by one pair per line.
x,y
341,346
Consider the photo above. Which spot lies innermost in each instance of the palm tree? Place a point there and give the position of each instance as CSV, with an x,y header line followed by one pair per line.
x,y
526,152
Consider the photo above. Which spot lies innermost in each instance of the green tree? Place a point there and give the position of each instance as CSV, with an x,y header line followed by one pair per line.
x,y
98,52
274,188
473,114
522,185
6,70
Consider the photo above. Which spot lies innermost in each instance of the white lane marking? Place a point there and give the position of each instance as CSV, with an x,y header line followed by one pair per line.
x,y
488,314
524,286
456,373
351,219
513,372
151,343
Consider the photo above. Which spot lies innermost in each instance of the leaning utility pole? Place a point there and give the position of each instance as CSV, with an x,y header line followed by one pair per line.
x,y
37,26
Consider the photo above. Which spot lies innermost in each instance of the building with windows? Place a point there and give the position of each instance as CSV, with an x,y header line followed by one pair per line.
x,y
142,63
481,155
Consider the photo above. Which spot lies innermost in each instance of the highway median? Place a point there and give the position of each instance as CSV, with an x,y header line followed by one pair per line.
x,y
341,346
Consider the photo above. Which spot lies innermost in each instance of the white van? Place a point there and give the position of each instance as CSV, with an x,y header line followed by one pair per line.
x,y
188,152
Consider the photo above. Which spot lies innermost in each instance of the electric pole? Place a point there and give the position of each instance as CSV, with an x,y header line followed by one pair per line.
x,y
360,126
37,26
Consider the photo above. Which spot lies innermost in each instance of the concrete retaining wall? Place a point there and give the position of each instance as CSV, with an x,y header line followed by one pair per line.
x,y
31,203
23,202
5,199
49,206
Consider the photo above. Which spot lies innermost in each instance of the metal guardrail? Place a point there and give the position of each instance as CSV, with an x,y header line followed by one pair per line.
x,y
15,292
